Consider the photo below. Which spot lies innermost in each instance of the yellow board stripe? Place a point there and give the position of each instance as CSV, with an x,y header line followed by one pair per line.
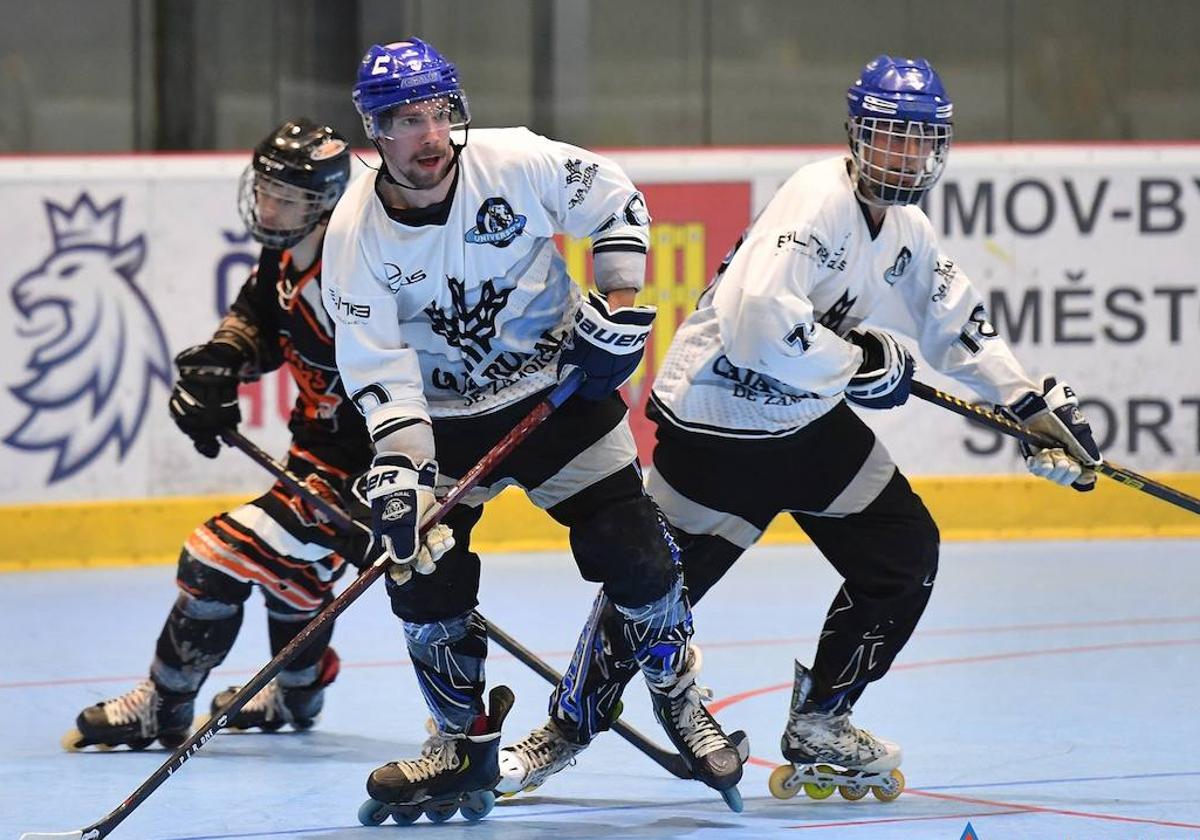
x,y
151,531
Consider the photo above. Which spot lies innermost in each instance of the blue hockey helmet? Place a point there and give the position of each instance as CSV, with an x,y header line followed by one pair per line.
x,y
406,73
899,129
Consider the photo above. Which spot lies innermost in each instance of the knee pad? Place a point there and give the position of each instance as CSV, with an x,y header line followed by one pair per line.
x,y
658,634
284,623
629,549
586,697
196,637
448,657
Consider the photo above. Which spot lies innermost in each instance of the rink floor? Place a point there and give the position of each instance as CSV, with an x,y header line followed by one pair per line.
x,y
1050,692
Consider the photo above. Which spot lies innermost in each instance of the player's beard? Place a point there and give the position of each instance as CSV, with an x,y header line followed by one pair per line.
x,y
417,174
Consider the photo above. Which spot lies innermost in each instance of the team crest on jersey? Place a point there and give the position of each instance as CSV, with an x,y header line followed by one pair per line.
x,y
496,224
898,267
471,328
97,346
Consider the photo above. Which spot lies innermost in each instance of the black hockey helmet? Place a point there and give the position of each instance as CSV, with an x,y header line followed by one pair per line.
x,y
297,174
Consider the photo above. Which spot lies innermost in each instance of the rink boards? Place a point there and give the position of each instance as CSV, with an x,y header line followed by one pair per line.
x,y
1083,254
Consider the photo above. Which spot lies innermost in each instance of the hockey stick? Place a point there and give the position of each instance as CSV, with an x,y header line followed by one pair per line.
x,y
672,762
1002,424
218,721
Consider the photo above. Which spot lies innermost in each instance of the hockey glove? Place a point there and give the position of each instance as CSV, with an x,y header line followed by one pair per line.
x,y
884,378
401,494
204,401
352,544
1055,414
606,345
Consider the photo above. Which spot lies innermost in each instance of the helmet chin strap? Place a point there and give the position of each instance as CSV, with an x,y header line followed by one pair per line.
x,y
391,179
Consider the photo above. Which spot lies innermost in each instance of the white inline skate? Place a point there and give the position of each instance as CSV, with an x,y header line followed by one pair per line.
x,y
539,755
829,753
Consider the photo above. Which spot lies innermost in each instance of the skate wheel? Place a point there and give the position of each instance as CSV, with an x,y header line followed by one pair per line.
x,y
853,793
733,798
820,790
782,783
73,741
441,813
892,787
479,806
405,814
373,812
140,744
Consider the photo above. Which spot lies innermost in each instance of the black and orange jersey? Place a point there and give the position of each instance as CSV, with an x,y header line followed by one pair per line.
x,y
283,304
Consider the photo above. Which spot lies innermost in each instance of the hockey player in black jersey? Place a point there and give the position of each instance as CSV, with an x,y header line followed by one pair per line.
x,y
752,405
276,542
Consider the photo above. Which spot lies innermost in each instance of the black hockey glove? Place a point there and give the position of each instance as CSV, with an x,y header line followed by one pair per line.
x,y
352,543
204,400
606,345
884,378
1055,414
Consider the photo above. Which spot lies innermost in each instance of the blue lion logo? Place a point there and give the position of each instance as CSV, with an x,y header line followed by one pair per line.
x,y
97,343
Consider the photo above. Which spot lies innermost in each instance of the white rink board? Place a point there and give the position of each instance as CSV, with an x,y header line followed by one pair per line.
x,y
1083,252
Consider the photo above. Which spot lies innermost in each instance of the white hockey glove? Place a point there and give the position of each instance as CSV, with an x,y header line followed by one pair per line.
x,y
884,378
401,494
1055,414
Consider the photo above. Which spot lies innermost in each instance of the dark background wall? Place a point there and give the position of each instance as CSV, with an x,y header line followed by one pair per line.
x,y
127,75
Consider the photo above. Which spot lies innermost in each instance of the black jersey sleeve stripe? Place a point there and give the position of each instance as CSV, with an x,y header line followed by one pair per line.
x,y
384,429
632,247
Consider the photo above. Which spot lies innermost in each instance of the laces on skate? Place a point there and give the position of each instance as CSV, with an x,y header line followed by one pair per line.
x,y
135,706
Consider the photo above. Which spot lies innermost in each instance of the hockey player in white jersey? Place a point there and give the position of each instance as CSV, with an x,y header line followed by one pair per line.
x,y
753,416
455,315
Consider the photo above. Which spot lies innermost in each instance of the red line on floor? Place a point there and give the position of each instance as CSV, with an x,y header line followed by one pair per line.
x,y
1091,815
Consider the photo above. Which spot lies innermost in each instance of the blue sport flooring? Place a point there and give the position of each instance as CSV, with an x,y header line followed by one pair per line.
x,y
1051,691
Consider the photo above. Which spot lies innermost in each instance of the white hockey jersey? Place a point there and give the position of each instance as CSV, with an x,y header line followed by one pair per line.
x,y
463,318
764,353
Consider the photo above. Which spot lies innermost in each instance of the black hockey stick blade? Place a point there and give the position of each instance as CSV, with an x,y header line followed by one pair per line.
x,y
1002,424
207,730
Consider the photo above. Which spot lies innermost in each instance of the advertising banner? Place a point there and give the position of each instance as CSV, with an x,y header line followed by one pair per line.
x,y
113,265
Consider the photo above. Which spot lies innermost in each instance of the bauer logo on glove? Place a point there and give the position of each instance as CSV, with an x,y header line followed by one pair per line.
x,y
606,345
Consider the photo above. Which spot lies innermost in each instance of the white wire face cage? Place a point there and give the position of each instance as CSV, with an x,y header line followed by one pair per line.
x,y
296,210
897,161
